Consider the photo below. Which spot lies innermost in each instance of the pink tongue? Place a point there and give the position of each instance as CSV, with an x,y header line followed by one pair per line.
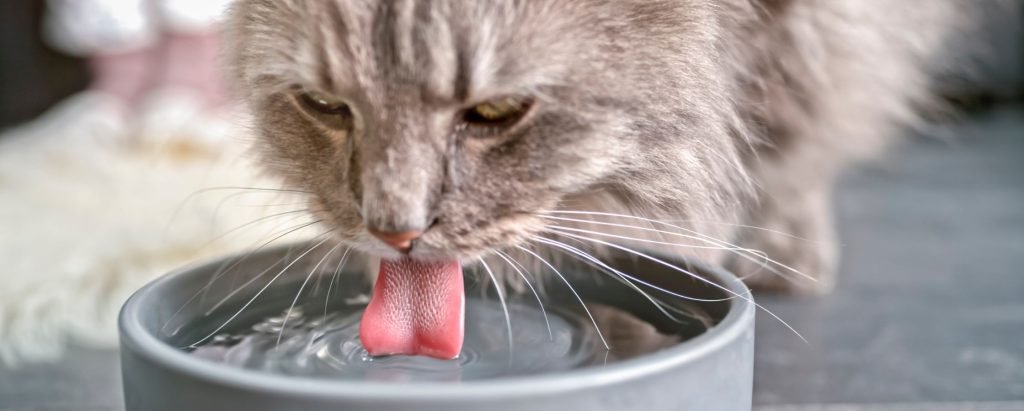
x,y
417,309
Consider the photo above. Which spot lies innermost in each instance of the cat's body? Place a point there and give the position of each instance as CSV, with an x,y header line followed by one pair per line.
x,y
710,114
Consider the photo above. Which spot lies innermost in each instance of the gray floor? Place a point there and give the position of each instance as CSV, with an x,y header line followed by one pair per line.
x,y
930,307
929,314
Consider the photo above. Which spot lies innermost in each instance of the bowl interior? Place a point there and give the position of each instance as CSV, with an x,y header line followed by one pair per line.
x,y
191,305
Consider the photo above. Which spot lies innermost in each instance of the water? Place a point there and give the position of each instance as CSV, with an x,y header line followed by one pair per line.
x,y
323,344
310,343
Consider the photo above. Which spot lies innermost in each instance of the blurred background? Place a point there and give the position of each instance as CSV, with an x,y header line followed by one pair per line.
x,y
109,127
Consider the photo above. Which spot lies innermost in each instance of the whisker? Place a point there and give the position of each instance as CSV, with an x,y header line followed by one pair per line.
x,y
762,263
196,295
258,220
268,189
740,251
706,237
504,306
597,264
220,272
337,272
571,289
268,205
320,280
225,268
697,277
260,292
752,227
187,199
630,277
642,240
239,289
220,204
288,313
508,259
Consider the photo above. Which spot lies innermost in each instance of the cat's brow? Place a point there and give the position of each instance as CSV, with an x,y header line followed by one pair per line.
x,y
431,52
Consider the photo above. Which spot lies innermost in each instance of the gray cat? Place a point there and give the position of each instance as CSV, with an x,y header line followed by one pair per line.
x,y
446,129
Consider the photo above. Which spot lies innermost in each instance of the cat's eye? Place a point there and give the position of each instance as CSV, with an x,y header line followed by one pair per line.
x,y
324,104
331,111
500,112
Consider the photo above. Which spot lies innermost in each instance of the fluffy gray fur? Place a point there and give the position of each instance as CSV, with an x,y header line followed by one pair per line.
x,y
713,113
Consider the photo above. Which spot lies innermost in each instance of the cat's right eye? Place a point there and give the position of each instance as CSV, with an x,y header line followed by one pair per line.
x,y
497,113
333,111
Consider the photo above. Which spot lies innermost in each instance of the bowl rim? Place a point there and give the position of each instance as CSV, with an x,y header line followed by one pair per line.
x,y
135,338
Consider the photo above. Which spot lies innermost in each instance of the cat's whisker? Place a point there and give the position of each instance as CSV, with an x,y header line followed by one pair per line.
x,y
244,188
504,305
763,256
684,229
697,277
763,263
220,272
761,266
188,198
223,201
320,278
288,314
752,227
515,266
229,264
269,205
643,240
255,278
580,253
721,245
571,289
260,292
251,223
596,264
222,269
337,272
196,295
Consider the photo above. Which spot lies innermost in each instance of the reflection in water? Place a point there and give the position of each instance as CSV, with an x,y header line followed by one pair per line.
x,y
627,335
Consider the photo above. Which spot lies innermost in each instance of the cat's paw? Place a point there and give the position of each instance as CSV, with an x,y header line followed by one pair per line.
x,y
799,241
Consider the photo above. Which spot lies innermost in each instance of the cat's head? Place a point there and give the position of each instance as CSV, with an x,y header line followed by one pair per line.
x,y
465,120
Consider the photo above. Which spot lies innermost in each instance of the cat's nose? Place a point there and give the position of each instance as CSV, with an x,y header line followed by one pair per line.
x,y
400,240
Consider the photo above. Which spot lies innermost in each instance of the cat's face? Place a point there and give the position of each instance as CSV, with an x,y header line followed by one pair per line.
x,y
466,119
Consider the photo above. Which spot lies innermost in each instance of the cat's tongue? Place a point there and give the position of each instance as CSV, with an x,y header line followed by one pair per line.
x,y
417,308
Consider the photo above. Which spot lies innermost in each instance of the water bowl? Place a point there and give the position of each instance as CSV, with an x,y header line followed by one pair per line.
x,y
223,336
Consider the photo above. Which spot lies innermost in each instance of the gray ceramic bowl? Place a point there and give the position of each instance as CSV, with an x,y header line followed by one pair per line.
x,y
710,371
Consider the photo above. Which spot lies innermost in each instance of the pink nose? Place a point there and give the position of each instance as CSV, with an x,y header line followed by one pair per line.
x,y
401,241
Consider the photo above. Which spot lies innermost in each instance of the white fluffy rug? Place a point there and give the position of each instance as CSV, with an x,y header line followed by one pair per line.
x,y
85,222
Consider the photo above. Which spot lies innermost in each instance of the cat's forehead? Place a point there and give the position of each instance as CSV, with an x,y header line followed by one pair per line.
x,y
442,49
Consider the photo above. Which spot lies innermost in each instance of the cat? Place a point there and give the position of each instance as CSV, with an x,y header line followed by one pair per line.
x,y
447,129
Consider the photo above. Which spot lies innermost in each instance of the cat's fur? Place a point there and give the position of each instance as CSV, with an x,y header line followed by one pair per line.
x,y
711,112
